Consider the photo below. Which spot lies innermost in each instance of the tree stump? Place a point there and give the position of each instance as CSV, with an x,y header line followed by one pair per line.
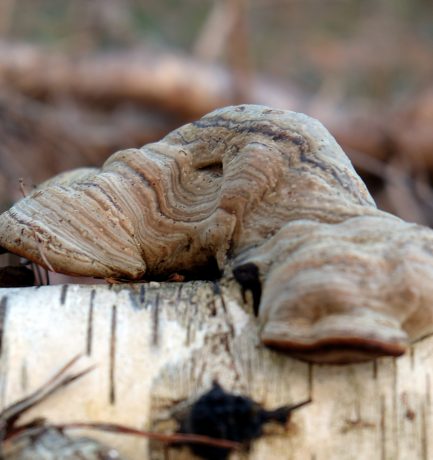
x,y
158,344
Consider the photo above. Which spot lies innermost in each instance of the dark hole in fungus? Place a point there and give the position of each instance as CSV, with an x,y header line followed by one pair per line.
x,y
208,271
214,169
20,276
228,416
371,180
247,276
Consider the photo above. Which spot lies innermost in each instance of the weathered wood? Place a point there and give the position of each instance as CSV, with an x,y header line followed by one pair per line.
x,y
157,344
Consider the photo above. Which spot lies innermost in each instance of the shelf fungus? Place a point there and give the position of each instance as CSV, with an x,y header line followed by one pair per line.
x,y
270,195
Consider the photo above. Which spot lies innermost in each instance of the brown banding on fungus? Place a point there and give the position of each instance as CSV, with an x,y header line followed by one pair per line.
x,y
246,186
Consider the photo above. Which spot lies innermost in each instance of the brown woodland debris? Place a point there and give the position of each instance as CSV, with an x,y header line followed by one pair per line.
x,y
60,111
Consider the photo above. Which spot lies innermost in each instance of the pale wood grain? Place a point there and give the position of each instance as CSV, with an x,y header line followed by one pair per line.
x,y
155,344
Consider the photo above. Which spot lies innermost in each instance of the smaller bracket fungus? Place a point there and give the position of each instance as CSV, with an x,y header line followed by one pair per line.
x,y
345,292
268,193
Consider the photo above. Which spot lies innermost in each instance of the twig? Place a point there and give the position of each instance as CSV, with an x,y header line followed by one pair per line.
x,y
213,37
162,437
42,253
10,415
22,187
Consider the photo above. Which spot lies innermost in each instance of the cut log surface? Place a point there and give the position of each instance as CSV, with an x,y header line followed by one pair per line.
x,y
156,345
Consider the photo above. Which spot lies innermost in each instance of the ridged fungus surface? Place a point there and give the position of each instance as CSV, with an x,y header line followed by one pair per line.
x,y
266,193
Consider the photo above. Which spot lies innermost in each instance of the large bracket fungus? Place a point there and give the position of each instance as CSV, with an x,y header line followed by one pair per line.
x,y
268,193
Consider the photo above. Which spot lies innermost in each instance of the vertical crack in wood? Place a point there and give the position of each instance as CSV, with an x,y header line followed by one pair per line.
x,y
89,335
228,339
133,298
217,291
63,294
3,312
188,334
412,357
155,321
179,292
112,367
142,294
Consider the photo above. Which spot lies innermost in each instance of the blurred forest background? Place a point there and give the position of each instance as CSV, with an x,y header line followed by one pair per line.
x,y
80,79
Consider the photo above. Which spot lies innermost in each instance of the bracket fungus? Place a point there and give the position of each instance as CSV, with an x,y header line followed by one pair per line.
x,y
268,193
